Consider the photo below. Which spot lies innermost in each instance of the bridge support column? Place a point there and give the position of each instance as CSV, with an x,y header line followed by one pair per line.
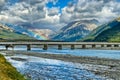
x,y
72,47
28,47
59,47
6,46
102,45
93,46
116,45
109,45
45,47
83,46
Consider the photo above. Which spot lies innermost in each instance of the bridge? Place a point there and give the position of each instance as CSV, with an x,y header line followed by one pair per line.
x,y
60,45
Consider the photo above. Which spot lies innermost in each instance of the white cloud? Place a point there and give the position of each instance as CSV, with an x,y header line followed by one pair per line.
x,y
35,13
11,19
53,11
2,2
98,9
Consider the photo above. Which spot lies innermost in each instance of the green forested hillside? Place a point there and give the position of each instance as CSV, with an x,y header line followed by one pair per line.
x,y
5,34
8,33
105,33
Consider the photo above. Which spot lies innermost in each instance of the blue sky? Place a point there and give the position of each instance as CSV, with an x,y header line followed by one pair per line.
x,y
60,3
13,1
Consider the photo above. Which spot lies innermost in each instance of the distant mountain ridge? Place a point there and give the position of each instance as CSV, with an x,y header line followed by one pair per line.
x,y
7,33
109,32
76,30
21,30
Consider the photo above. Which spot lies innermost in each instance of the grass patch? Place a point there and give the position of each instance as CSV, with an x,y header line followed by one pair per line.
x,y
8,72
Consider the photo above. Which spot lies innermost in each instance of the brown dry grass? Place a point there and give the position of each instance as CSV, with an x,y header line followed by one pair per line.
x,y
7,72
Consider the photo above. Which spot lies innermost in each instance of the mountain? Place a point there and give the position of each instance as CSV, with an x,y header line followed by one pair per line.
x,y
109,32
9,34
76,30
21,30
47,33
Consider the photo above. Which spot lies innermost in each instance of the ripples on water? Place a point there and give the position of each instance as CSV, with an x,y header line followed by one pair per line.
x,y
56,72
48,69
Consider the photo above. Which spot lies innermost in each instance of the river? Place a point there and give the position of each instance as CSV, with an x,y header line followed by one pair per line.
x,y
48,69
111,54
37,68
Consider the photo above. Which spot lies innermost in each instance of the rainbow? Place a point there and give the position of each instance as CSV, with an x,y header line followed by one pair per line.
x,y
39,37
22,30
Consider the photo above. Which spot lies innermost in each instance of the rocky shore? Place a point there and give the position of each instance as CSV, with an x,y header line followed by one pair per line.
x,y
113,65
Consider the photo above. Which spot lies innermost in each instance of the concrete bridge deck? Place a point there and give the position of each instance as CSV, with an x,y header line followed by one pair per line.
x,y
82,45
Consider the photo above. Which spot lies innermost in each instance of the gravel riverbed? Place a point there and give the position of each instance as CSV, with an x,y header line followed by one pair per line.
x,y
64,67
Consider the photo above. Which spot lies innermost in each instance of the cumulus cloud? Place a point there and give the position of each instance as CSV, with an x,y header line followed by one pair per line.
x,y
36,14
85,9
2,3
28,14
53,11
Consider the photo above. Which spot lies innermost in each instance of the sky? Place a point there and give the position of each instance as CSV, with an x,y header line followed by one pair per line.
x,y
54,14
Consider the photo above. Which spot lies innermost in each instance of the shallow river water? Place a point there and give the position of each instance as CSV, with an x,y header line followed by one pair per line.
x,y
112,54
37,68
47,69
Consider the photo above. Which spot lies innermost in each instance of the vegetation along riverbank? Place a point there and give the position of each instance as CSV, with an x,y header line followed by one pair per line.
x,y
8,72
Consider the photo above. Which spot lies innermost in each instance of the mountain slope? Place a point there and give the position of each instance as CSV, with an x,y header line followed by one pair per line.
x,y
46,33
106,33
76,30
21,30
8,33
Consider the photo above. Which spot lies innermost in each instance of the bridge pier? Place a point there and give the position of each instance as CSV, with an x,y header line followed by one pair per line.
x,y
109,45
59,47
93,46
10,45
72,47
103,45
116,45
45,47
28,47
6,46
83,46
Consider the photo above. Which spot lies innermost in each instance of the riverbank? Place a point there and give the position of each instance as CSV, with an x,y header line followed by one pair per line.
x,y
7,71
113,65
